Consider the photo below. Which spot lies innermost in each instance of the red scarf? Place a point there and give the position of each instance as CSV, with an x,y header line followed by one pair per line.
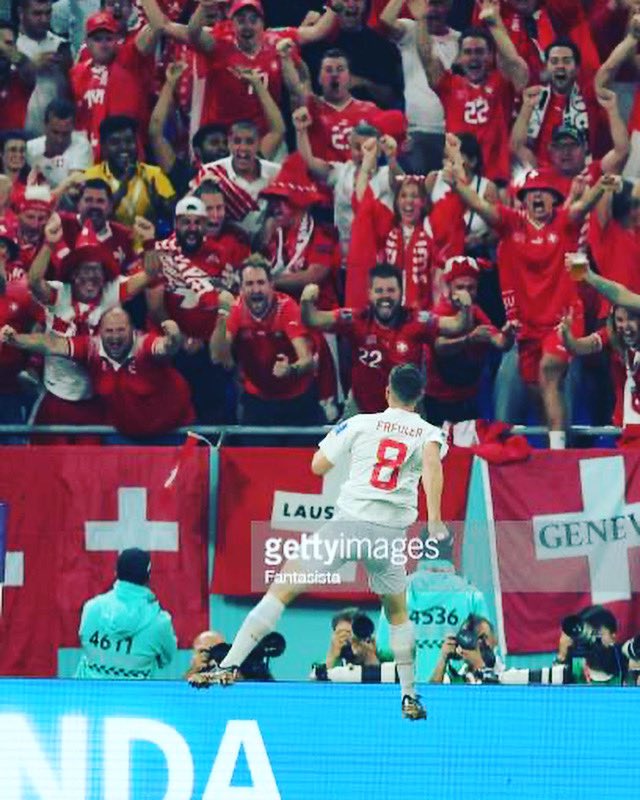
x,y
415,260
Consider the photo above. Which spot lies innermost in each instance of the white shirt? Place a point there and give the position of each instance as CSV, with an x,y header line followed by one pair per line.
x,y
49,85
423,107
62,377
386,464
254,220
78,156
342,179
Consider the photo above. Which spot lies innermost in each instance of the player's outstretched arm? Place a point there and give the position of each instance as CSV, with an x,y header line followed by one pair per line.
x,y
432,480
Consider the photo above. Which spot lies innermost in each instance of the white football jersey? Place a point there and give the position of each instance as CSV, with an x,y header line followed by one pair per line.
x,y
386,464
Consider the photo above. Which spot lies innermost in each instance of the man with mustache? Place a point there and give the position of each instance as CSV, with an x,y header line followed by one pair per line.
x,y
263,334
536,287
382,335
96,204
478,98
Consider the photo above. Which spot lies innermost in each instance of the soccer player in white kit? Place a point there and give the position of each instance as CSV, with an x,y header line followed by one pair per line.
x,y
390,452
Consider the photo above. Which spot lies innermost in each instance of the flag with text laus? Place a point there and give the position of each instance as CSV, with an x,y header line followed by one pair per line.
x,y
566,528
72,510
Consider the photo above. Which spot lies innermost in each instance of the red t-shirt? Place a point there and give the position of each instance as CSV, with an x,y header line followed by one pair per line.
x,y
14,98
377,348
322,248
531,258
18,309
228,99
616,251
331,127
257,343
456,378
484,111
225,254
102,91
145,395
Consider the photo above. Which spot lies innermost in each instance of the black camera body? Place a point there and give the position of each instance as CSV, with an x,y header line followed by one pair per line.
x,y
467,639
255,667
363,628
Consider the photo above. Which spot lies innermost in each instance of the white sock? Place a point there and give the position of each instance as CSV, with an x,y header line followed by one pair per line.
x,y
402,639
557,440
260,621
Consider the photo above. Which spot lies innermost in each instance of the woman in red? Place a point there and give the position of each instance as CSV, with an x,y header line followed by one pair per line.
x,y
416,237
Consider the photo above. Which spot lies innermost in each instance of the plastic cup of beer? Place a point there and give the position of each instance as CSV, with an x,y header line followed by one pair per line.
x,y
578,263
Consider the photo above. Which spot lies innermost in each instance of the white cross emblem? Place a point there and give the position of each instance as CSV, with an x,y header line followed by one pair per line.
x,y
132,528
604,531
13,571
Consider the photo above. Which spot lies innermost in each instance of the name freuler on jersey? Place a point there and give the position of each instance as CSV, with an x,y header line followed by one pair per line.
x,y
394,427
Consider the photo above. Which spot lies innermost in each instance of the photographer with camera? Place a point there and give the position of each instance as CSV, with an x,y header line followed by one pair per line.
x,y
470,655
352,640
209,650
438,600
588,649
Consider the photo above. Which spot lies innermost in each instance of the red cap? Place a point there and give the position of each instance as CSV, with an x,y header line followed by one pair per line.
x,y
238,5
461,267
541,181
88,247
101,21
391,123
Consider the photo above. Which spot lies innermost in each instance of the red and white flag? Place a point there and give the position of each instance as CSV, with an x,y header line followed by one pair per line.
x,y
71,510
565,533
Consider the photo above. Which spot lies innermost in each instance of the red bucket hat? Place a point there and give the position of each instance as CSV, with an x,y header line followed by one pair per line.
x,y
89,248
294,184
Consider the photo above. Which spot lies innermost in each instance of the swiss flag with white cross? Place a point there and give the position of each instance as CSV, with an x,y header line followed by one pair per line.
x,y
566,526
71,510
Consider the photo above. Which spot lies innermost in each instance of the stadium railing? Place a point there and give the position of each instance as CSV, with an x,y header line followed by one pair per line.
x,y
255,430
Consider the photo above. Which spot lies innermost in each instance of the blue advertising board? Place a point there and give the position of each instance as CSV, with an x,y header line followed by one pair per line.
x,y
103,740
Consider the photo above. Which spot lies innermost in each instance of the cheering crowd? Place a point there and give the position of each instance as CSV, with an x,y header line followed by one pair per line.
x,y
224,212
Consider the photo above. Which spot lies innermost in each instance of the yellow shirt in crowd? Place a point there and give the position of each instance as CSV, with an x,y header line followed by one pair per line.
x,y
136,202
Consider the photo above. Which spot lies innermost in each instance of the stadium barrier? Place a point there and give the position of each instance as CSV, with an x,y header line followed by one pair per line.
x,y
82,740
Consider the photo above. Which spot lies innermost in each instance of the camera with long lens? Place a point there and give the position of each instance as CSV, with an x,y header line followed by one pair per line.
x,y
581,632
631,648
467,639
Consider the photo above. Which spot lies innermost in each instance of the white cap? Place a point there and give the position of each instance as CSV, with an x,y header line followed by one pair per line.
x,y
191,205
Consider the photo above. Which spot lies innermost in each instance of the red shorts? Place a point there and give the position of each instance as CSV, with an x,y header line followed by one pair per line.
x,y
531,349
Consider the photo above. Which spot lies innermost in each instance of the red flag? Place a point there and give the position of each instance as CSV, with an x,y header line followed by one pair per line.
x,y
251,490
71,510
567,533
